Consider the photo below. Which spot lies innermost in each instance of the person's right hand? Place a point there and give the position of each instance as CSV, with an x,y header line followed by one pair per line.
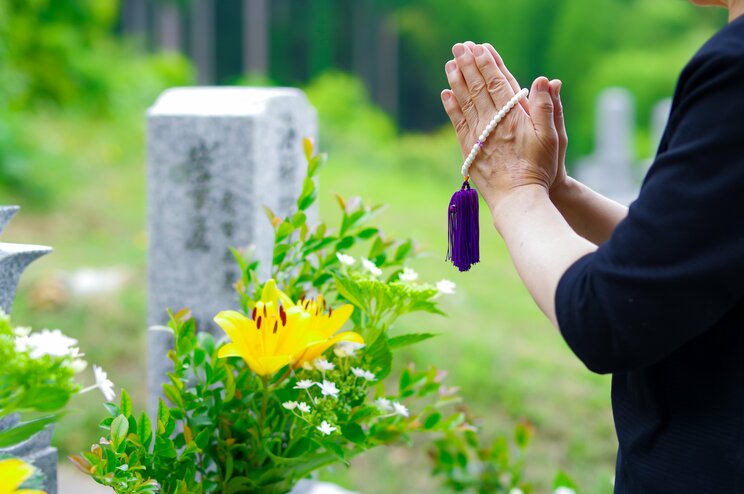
x,y
560,127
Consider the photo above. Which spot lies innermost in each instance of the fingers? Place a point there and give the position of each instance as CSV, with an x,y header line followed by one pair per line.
x,y
477,94
541,110
558,119
461,93
452,107
509,77
497,84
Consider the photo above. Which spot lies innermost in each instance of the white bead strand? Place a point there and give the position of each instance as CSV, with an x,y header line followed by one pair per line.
x,y
465,170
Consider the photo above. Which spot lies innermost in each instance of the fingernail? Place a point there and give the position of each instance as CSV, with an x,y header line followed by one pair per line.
x,y
450,66
446,95
478,50
542,84
560,85
458,50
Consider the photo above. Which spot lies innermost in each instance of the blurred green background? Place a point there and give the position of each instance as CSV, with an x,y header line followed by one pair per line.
x,y
76,77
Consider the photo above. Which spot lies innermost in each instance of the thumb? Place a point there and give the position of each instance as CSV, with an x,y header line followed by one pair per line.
x,y
541,108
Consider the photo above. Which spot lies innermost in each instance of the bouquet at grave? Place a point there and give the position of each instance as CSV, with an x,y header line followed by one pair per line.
x,y
301,378
37,379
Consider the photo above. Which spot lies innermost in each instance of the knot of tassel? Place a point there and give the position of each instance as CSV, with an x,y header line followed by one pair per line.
x,y
464,241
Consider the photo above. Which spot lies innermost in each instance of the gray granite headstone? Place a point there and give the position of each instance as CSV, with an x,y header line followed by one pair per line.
x,y
13,260
215,156
610,170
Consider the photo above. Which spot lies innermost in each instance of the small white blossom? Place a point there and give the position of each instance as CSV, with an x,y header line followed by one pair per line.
x,y
363,374
290,405
516,490
326,428
384,404
400,409
22,331
446,287
303,407
345,259
46,342
408,275
323,365
371,267
304,384
103,383
564,490
346,348
328,388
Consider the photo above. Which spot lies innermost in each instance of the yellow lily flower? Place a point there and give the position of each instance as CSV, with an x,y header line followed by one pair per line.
x,y
280,332
13,473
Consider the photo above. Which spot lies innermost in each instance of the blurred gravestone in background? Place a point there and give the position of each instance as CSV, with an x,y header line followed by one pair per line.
x,y
612,169
14,258
216,156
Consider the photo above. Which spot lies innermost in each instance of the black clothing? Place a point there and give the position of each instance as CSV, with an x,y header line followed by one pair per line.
x,y
660,305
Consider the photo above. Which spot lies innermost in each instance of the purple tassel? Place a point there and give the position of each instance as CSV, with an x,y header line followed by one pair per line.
x,y
464,236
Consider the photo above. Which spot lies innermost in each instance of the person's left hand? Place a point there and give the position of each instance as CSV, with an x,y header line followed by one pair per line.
x,y
523,149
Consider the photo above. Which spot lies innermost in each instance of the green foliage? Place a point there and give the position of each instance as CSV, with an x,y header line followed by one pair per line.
x,y
468,464
57,56
32,383
225,428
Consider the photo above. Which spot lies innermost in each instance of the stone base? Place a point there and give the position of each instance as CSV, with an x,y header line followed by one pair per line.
x,y
36,451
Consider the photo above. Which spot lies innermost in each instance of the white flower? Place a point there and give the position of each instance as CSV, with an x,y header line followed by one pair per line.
x,y
326,428
364,374
290,405
303,407
328,388
22,331
323,365
400,409
304,384
344,259
346,348
384,404
564,490
446,287
516,490
46,342
371,267
408,275
104,384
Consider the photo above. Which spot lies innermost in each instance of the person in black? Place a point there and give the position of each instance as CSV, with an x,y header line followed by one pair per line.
x,y
654,293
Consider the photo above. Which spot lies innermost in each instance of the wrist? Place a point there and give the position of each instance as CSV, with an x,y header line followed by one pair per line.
x,y
517,202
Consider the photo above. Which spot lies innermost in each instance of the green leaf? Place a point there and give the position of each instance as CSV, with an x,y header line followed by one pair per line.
x,y
354,433
164,447
563,480
119,431
308,195
337,450
367,233
408,339
432,420
381,357
126,403
299,219
349,291
284,230
25,430
144,430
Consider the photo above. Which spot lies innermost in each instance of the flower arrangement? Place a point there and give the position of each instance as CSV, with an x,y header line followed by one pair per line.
x,y
38,370
301,378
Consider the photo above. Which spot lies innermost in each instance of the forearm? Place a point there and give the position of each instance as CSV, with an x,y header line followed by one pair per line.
x,y
541,243
590,214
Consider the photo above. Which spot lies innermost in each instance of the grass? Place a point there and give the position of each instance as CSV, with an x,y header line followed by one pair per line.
x,y
506,357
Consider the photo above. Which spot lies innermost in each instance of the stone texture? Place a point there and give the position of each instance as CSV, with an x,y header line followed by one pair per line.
x,y
215,156
13,260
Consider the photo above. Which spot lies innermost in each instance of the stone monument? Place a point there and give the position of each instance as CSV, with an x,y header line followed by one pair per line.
x,y
215,156
13,260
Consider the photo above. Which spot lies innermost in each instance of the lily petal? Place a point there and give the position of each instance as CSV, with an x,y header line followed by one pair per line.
x,y
14,472
315,350
272,294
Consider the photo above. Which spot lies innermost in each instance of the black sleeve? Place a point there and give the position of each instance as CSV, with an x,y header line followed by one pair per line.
x,y
675,266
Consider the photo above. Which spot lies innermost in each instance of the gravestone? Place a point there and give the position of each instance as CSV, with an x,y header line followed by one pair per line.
x,y
14,258
610,169
215,156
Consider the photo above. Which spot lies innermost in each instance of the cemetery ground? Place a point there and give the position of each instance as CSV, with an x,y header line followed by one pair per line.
x,y
496,344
